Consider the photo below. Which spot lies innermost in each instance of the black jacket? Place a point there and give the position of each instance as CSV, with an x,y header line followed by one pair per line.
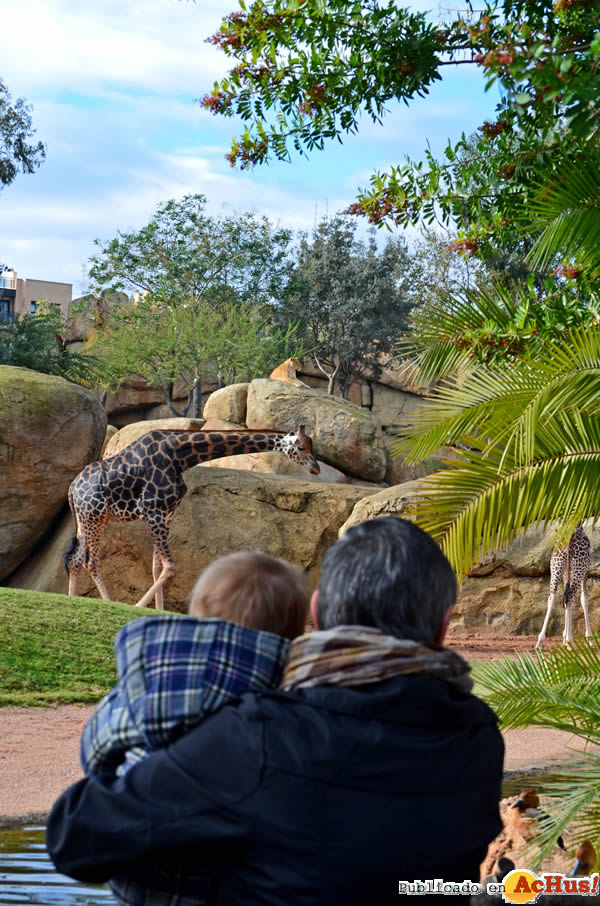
x,y
325,797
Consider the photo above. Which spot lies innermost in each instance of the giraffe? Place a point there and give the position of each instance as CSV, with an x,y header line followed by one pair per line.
x,y
570,565
144,481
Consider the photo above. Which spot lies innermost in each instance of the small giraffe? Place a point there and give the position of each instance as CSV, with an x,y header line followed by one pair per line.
x,y
144,481
570,565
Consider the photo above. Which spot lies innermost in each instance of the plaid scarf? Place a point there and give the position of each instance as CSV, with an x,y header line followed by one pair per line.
x,y
357,655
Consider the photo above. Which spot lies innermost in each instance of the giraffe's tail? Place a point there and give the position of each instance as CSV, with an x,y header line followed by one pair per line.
x,y
73,544
69,553
566,594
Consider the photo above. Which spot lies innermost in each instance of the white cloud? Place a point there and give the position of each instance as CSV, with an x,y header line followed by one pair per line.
x,y
73,46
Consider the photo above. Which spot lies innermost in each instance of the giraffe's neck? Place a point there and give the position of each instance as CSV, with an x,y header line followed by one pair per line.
x,y
188,449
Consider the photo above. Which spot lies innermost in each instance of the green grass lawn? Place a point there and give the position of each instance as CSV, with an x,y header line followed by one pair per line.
x,y
58,649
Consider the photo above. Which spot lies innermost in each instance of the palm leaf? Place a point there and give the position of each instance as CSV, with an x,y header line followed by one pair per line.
x,y
558,689
508,407
567,211
485,503
437,347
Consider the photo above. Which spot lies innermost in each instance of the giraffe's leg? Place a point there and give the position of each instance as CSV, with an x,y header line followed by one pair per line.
x,y
568,633
93,534
585,605
94,571
159,603
160,533
551,600
75,559
74,571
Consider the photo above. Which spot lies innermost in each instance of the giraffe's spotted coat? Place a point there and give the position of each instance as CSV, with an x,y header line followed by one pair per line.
x,y
144,481
570,565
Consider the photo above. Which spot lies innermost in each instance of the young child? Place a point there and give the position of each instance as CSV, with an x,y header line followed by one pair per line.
x,y
173,671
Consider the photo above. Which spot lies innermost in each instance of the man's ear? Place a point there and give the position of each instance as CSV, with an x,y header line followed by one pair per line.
x,y
314,604
439,639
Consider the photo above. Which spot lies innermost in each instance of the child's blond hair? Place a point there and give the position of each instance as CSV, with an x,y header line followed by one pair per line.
x,y
254,590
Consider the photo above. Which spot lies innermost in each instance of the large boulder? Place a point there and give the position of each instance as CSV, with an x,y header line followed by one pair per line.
x,y
508,591
227,404
49,430
516,605
529,554
396,501
111,430
343,434
130,433
223,511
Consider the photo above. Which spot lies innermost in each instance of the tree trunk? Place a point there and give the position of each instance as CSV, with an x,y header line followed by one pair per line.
x,y
167,398
330,375
197,397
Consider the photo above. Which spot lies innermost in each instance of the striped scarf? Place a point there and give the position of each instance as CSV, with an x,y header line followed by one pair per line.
x,y
357,655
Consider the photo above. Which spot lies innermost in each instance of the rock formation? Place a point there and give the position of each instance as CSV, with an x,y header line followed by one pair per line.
x,y
49,429
227,404
343,434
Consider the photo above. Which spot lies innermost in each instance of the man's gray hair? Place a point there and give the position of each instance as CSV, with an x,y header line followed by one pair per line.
x,y
389,574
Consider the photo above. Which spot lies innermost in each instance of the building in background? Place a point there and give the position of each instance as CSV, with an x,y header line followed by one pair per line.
x,y
21,296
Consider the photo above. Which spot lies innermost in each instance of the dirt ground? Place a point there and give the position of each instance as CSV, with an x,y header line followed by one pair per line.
x,y
39,747
492,647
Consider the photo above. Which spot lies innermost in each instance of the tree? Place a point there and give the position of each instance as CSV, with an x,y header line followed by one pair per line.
x,y
233,342
37,342
186,267
350,299
307,69
16,154
184,254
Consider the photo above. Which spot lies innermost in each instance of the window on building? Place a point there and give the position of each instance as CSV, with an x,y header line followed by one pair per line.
x,y
6,312
33,307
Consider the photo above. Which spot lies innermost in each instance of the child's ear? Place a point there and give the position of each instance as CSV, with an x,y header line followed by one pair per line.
x,y
314,604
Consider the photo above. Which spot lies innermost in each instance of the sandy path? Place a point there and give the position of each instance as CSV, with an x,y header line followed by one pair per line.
x,y
39,747
39,758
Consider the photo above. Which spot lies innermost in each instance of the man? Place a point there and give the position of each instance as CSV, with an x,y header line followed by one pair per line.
x,y
373,764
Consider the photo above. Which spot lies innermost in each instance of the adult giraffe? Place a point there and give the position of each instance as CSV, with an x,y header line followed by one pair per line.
x,y
144,481
570,565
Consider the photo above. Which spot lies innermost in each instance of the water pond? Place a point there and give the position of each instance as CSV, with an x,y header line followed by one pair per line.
x,y
28,876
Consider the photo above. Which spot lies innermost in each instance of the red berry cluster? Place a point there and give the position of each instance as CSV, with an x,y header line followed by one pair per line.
x,y
490,130
217,102
466,247
568,271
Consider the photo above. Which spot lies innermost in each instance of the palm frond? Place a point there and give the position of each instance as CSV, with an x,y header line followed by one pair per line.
x,y
557,689
508,407
572,803
566,208
439,344
483,504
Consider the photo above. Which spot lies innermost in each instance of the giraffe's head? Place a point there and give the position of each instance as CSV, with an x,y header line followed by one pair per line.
x,y
298,446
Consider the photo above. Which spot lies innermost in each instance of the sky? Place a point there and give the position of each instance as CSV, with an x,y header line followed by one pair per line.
x,y
112,84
